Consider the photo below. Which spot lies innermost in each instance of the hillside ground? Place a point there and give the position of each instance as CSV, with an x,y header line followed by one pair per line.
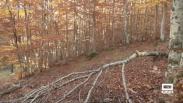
x,y
144,75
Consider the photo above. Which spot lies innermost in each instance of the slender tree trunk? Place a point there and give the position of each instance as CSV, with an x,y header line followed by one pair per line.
x,y
76,50
15,37
113,23
156,20
26,18
163,20
67,35
93,41
127,36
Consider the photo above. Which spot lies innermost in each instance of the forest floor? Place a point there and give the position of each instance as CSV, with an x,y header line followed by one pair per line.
x,y
144,75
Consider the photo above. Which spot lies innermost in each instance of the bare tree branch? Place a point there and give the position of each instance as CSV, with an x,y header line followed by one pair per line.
x,y
75,88
124,84
93,85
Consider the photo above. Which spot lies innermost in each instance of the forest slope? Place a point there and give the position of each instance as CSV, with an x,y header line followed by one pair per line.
x,y
144,75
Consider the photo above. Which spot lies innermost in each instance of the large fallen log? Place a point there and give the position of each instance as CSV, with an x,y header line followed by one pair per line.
x,y
36,95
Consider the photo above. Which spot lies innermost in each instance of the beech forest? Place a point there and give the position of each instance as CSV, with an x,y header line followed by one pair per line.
x,y
91,51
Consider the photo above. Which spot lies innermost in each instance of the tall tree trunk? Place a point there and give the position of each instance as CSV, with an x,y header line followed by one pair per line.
x,y
67,35
113,23
175,67
94,27
176,41
163,20
15,37
156,21
26,18
127,36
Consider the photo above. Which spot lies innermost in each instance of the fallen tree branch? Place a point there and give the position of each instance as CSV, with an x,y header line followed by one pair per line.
x,y
76,87
124,84
56,86
35,94
93,85
75,73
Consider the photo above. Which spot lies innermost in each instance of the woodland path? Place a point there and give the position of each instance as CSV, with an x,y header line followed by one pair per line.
x,y
144,75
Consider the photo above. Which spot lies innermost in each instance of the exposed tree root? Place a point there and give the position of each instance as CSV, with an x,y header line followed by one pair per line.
x,y
37,95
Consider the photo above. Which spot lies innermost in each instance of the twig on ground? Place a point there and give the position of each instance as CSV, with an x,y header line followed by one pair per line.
x,y
131,90
79,96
